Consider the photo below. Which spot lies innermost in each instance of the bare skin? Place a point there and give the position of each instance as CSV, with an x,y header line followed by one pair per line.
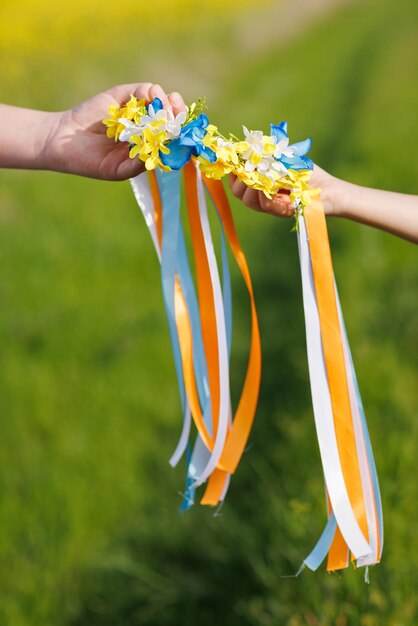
x,y
396,213
75,141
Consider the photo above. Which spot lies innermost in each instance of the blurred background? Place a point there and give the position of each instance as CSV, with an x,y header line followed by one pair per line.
x,y
90,533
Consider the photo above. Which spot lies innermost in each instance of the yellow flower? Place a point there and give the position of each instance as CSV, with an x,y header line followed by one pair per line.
x,y
301,192
210,142
211,138
148,148
304,197
227,154
256,180
137,147
226,151
134,109
211,129
114,127
301,177
217,170
241,146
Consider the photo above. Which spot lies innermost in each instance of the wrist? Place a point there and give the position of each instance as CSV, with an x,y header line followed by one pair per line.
x,y
345,199
337,198
48,141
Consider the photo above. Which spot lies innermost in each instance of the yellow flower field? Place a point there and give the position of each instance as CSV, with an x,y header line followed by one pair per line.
x,y
47,28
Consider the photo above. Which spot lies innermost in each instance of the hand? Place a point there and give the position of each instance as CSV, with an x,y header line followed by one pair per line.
x,y
77,143
280,205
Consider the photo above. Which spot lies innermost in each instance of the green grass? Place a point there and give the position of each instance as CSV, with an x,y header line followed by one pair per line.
x,y
90,533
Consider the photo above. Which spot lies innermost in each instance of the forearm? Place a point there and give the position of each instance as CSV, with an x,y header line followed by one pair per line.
x,y
24,135
396,213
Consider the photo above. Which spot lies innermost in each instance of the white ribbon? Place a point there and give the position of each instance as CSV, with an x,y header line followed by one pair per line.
x,y
203,473
322,408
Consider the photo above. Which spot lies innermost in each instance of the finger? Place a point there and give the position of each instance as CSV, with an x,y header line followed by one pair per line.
x,y
128,168
142,91
177,102
279,205
156,91
122,93
238,188
231,179
251,199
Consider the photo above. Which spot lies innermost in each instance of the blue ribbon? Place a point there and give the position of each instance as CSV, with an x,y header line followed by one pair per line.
x,y
322,547
366,435
169,187
174,260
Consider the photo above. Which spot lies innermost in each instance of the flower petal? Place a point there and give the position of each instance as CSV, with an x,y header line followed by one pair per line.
x,y
178,156
208,154
156,104
302,147
297,163
279,130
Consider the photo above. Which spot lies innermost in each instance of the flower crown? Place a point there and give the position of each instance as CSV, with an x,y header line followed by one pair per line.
x,y
160,139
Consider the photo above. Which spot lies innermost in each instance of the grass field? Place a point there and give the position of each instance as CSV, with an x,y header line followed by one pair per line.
x,y
89,529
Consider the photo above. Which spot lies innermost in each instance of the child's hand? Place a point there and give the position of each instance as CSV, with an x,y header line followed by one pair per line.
x,y
77,141
280,205
395,212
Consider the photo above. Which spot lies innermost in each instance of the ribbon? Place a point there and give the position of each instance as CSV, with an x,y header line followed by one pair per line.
x,y
355,520
199,314
200,325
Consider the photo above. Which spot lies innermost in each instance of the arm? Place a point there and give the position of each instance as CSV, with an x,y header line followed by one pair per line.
x,y
75,141
396,213
23,137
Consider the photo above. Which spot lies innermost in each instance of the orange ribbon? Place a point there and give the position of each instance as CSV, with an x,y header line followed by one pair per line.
x,y
336,372
243,420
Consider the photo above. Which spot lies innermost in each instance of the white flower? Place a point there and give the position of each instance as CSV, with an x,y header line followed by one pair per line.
x,y
130,129
221,143
148,121
279,167
255,139
263,166
283,148
163,120
174,124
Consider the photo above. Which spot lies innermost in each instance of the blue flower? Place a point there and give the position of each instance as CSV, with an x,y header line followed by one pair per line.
x,y
279,131
292,157
190,143
156,105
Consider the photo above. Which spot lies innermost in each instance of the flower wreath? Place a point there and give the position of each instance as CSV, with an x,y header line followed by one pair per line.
x,y
267,163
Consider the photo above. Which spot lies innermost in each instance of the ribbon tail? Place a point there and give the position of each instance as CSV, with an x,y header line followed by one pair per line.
x,y
322,403
244,416
212,315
